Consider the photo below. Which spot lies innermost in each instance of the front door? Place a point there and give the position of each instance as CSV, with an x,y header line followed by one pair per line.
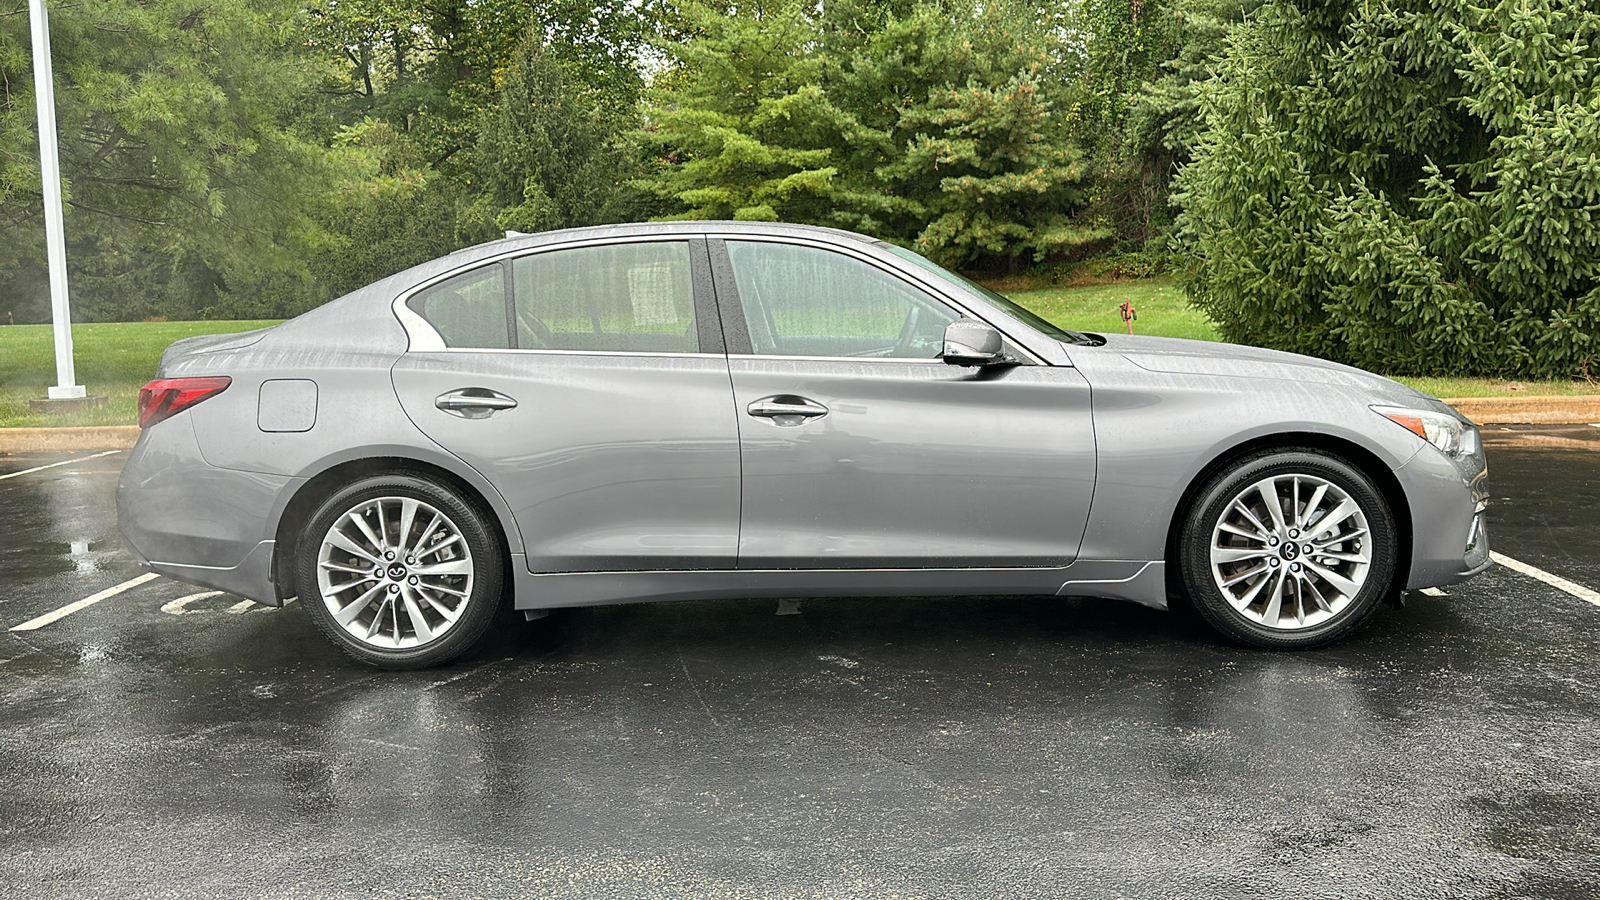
x,y
587,386
862,449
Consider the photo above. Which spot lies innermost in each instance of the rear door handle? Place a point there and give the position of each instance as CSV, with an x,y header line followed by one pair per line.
x,y
474,403
786,409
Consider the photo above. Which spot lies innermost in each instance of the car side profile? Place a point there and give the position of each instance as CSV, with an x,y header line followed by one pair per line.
x,y
728,409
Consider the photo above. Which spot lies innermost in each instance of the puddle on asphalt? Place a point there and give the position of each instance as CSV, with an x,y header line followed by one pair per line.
x,y
27,560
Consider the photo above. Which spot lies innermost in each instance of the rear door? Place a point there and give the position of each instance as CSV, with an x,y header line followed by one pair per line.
x,y
588,383
862,449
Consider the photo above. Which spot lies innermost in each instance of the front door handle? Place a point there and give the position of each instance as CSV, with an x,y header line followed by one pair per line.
x,y
787,409
474,403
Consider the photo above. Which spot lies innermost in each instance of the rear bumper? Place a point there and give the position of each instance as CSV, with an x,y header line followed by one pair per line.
x,y
194,522
251,578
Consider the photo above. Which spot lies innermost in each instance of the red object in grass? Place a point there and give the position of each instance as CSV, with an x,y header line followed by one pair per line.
x,y
166,397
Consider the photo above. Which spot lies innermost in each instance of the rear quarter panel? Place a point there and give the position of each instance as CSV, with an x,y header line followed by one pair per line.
x,y
348,348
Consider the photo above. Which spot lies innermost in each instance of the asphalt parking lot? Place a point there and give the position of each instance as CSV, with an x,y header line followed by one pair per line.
x,y
164,741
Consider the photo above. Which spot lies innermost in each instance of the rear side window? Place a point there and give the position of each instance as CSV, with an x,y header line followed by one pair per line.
x,y
624,297
468,310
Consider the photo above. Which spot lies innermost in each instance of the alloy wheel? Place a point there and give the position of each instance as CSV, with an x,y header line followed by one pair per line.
x,y
395,572
1291,551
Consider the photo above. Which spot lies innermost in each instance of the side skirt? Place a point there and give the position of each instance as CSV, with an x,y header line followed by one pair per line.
x,y
1141,581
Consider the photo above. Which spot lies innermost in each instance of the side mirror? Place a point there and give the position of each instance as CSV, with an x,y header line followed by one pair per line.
x,y
971,343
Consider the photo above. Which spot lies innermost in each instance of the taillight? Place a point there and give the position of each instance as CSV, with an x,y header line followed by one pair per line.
x,y
166,397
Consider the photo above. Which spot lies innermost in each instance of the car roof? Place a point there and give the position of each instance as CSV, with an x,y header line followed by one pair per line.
x,y
634,229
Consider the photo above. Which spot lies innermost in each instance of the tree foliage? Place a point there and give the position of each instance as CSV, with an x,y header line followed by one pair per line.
x,y
554,149
180,173
743,126
935,124
1406,186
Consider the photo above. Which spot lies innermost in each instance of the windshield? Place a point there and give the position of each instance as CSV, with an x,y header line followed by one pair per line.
x,y
998,299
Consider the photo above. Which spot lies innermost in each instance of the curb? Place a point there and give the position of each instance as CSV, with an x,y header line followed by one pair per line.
x,y
68,440
1576,410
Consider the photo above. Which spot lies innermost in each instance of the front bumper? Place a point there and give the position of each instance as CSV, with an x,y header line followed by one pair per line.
x,y
1449,530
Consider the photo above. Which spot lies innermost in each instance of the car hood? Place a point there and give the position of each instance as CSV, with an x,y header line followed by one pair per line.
x,y
1185,357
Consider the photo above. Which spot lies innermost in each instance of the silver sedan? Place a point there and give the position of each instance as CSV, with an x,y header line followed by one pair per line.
x,y
718,409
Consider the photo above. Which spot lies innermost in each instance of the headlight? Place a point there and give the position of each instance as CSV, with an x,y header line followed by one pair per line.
x,y
1449,434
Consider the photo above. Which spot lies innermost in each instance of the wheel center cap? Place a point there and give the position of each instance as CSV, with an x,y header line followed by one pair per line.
x,y
397,572
1289,551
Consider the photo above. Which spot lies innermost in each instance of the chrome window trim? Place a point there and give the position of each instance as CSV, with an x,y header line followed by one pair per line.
x,y
534,350
906,360
426,339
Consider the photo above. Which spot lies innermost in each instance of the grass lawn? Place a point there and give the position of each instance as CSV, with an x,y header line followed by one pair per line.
x,y
117,359
111,359
1163,309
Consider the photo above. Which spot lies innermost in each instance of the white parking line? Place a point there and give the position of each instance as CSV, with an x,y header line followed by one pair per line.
x,y
1555,581
70,608
176,607
65,462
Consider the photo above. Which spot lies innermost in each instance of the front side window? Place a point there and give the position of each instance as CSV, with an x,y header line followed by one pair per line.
x,y
634,297
1006,303
806,301
468,310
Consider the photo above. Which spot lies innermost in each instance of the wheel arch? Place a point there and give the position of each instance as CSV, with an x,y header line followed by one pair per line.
x,y
1369,463
310,495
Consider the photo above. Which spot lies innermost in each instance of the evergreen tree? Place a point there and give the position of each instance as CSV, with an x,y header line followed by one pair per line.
x,y
937,124
742,124
1139,115
551,152
1408,186
984,150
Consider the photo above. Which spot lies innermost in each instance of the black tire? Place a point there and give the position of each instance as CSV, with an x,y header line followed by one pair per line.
x,y
423,609
1323,596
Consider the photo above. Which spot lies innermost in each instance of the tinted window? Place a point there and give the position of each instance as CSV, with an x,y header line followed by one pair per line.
x,y
629,297
803,301
468,310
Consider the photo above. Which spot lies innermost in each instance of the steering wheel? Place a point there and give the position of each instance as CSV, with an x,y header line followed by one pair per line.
x,y
908,333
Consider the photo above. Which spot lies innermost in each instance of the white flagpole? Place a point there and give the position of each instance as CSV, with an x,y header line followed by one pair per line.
x,y
44,92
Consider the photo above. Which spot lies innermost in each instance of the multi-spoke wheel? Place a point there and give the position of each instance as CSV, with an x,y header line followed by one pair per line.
x,y
1288,549
400,572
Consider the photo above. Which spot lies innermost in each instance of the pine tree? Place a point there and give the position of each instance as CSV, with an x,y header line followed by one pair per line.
x,y
742,126
1413,187
934,124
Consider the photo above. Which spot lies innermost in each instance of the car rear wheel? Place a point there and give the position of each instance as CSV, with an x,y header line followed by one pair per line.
x,y
1288,549
400,572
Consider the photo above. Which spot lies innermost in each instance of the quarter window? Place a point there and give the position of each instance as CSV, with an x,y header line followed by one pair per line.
x,y
634,297
804,301
468,310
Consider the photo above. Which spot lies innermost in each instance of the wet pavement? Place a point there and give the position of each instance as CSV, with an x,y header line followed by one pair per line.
x,y
862,748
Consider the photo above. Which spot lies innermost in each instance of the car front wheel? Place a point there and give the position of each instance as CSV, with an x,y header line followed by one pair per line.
x,y
1288,549
400,572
